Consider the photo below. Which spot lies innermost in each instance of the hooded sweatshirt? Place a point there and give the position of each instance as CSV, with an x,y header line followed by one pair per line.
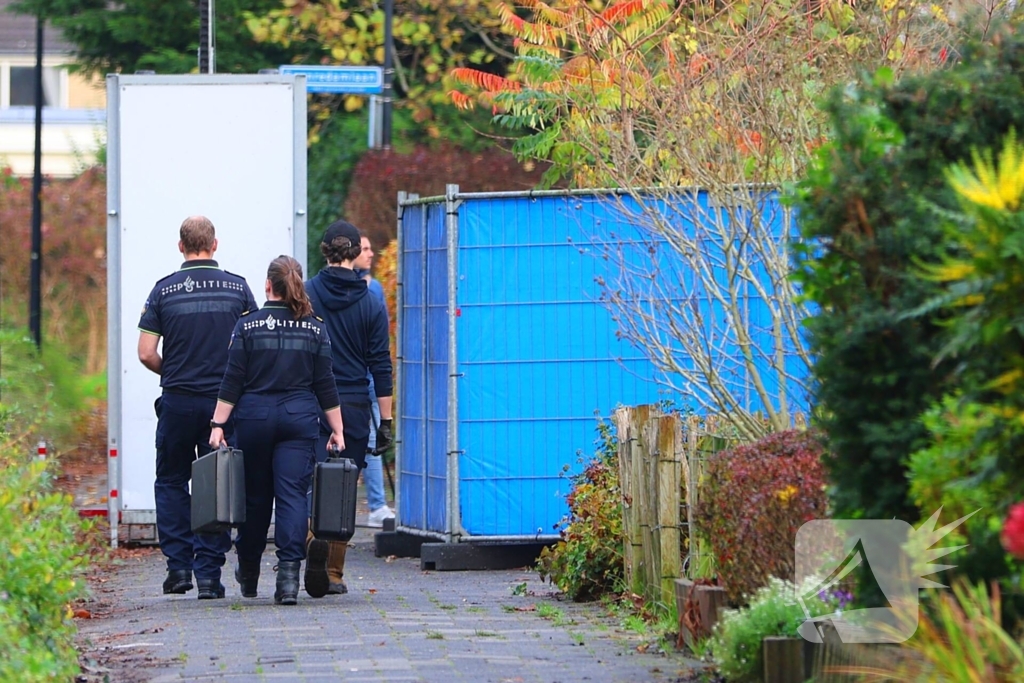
x,y
358,327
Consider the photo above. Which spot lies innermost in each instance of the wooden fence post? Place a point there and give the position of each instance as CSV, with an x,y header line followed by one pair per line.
x,y
668,495
648,504
632,548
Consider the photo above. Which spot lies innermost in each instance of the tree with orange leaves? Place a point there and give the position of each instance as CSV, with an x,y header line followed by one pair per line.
x,y
699,111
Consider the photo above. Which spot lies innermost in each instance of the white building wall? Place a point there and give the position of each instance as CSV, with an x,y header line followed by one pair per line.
x,y
71,139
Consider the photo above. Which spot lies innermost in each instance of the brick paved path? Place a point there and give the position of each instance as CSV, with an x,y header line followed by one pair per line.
x,y
396,624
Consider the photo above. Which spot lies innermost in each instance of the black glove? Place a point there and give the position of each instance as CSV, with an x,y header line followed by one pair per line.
x,y
384,437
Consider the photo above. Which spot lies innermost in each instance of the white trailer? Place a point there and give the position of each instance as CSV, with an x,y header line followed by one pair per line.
x,y
232,148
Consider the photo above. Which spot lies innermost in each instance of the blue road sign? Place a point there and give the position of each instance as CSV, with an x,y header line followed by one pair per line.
x,y
355,80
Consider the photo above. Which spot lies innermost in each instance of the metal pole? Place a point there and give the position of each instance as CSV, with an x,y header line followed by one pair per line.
x,y
207,38
389,71
399,401
452,423
114,374
36,274
427,411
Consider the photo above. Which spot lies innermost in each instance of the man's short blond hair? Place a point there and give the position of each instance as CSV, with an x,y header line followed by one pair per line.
x,y
197,234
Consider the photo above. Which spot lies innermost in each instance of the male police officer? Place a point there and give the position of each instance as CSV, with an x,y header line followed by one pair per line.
x,y
194,310
357,323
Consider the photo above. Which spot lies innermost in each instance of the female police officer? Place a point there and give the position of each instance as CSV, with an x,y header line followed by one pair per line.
x,y
279,369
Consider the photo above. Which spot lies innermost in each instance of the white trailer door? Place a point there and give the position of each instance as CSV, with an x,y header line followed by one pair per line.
x,y
232,148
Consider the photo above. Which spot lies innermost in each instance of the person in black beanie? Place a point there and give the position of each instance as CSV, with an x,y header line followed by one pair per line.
x,y
358,326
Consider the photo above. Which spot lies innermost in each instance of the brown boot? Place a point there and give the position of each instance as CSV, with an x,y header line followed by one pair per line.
x,y
316,579
336,568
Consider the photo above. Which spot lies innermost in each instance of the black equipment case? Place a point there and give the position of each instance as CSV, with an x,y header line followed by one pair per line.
x,y
218,491
334,499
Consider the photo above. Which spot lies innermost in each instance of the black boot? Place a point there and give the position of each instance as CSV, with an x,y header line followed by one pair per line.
x,y
210,589
317,581
248,575
178,581
287,583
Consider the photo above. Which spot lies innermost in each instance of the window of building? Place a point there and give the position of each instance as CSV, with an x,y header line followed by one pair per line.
x,y
22,86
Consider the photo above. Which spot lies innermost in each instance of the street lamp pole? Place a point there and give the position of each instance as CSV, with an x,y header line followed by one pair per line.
x,y
207,38
36,269
389,72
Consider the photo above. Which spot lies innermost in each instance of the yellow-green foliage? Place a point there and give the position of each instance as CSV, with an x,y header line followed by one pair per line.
x,y
430,38
41,557
977,432
42,539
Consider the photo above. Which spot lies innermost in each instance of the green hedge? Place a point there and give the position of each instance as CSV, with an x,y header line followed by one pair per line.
x,y
43,542
42,553
871,211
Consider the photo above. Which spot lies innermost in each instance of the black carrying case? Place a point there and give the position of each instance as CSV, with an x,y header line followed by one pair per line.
x,y
334,499
218,491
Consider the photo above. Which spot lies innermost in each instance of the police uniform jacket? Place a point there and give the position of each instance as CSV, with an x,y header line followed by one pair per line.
x,y
273,353
195,310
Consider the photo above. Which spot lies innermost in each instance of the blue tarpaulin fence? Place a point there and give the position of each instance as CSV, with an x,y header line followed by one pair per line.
x,y
509,354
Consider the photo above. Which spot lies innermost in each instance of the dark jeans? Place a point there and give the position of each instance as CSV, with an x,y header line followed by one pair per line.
x,y
183,434
277,434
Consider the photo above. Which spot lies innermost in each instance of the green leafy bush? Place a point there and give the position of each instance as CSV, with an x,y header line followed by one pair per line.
x,y
41,558
958,472
868,217
42,554
587,563
774,610
975,461
43,542
754,499
44,390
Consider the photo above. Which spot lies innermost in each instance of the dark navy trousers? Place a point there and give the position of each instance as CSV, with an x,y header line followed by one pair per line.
x,y
355,417
276,434
182,434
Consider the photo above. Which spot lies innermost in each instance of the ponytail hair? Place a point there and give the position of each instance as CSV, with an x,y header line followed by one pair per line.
x,y
285,275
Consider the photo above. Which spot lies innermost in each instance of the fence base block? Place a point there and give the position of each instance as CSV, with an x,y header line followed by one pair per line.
x,y
397,544
443,557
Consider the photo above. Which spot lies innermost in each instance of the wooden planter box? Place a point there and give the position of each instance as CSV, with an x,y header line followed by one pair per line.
x,y
795,660
708,600
785,660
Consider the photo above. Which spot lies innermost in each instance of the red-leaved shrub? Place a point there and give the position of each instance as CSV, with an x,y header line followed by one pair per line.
x,y
74,277
372,202
754,499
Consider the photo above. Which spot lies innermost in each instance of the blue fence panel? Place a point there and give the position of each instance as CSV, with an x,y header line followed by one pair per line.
x,y
412,399
436,339
538,358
